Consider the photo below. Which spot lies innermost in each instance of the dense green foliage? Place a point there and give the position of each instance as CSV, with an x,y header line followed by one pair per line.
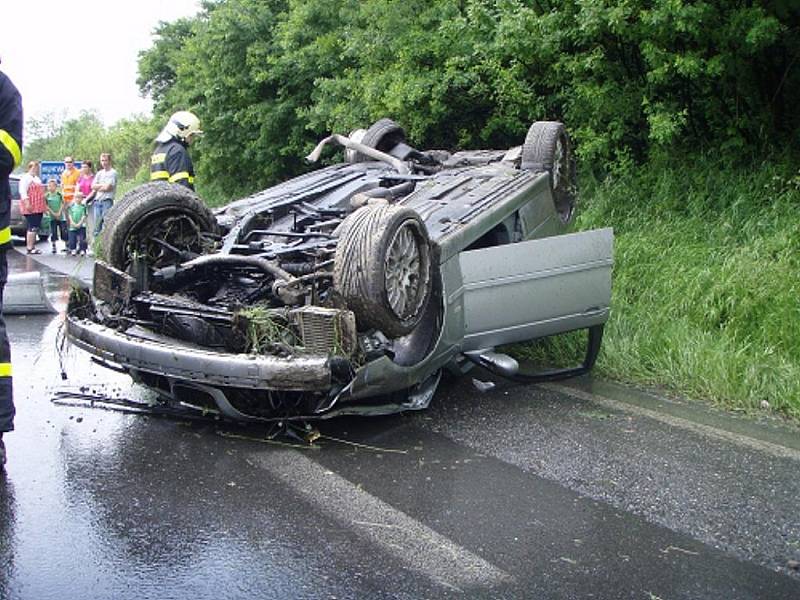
x,y
706,281
673,106
270,77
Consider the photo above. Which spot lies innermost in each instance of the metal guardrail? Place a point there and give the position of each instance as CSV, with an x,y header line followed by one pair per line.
x,y
24,295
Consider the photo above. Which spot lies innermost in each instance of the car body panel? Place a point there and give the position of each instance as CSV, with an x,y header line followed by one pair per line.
x,y
460,208
536,288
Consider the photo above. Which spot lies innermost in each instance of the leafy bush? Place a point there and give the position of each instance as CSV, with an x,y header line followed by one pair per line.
x,y
627,76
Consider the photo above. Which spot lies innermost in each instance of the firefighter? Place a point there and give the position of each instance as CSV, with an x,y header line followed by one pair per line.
x,y
170,161
10,158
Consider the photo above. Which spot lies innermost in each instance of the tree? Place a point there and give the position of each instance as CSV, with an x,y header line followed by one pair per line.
x,y
628,77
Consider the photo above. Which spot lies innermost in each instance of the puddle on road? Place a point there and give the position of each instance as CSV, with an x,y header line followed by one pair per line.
x,y
103,504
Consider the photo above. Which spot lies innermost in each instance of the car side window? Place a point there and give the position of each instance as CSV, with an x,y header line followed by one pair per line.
x,y
14,187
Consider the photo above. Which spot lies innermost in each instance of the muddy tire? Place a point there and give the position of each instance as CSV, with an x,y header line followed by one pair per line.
x,y
382,135
547,148
382,268
158,221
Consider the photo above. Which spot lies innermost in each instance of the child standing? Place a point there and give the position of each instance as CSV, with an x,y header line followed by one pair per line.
x,y
55,208
76,215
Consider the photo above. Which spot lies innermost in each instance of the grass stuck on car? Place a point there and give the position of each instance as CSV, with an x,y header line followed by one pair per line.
x,y
348,290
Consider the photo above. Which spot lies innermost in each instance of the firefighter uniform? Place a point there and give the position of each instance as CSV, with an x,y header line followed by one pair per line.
x,y
171,162
10,158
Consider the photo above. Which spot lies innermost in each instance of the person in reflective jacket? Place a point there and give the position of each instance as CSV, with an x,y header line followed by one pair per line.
x,y
10,158
171,161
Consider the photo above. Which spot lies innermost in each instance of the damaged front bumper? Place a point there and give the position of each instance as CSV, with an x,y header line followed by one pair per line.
x,y
168,358
316,368
241,387
196,377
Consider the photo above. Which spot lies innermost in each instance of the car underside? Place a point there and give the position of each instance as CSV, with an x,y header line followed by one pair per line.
x,y
348,289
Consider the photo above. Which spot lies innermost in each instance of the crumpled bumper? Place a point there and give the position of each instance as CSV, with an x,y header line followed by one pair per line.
x,y
141,350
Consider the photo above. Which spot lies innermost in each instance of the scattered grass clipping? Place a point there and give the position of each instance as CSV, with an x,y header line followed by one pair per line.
x,y
264,330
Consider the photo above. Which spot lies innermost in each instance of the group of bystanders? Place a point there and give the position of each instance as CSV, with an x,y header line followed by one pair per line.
x,y
64,204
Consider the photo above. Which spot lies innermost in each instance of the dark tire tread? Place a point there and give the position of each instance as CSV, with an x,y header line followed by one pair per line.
x,y
142,203
382,135
538,154
359,267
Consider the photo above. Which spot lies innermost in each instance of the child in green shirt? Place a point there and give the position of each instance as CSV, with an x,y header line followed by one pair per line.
x,y
76,215
55,209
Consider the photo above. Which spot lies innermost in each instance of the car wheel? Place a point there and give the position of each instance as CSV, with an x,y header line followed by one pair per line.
x,y
547,148
382,268
160,222
382,135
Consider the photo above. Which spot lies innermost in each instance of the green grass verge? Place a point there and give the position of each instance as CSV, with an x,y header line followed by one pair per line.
x,y
706,288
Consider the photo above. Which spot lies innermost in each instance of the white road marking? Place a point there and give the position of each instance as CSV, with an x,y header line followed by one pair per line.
x,y
707,430
417,546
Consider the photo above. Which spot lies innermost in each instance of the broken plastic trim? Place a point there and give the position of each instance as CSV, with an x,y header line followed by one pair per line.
x,y
488,360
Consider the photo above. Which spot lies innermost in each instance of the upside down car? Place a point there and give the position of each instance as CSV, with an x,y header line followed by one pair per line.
x,y
349,289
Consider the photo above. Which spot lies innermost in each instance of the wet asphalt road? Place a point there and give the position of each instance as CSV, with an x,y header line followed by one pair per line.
x,y
586,490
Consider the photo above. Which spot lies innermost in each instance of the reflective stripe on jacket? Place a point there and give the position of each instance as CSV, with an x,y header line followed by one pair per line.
x,y
10,149
171,162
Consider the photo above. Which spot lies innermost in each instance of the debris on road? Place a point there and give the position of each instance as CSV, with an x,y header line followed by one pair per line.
x,y
482,386
125,405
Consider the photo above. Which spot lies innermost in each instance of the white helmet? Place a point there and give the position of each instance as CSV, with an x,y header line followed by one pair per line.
x,y
181,125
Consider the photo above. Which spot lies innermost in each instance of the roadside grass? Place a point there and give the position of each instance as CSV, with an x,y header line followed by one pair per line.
x,y
706,288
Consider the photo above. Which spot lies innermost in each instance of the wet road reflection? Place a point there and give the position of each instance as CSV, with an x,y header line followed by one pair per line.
x,y
100,504
8,524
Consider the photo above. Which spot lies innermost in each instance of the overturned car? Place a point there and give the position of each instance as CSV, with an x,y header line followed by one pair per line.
x,y
348,289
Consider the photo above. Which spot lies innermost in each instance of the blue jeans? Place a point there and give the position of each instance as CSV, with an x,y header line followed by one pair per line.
x,y
99,209
77,239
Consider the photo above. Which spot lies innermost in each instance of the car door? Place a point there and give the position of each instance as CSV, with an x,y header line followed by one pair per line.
x,y
536,288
